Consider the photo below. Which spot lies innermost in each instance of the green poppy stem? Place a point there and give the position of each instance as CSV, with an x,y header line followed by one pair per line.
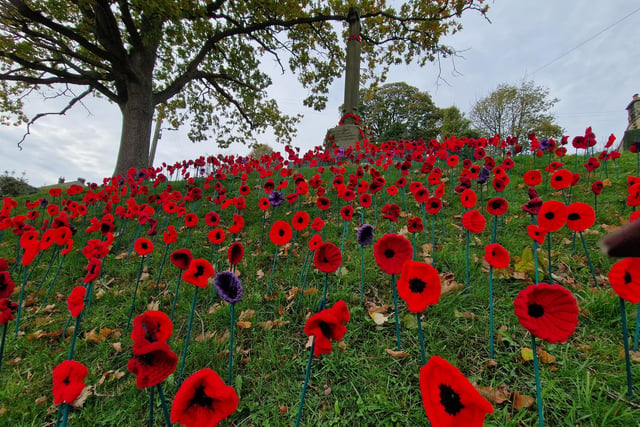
x,y
165,408
151,399
273,268
75,334
293,242
4,336
306,383
362,275
302,275
549,256
625,338
433,240
404,199
175,296
187,238
635,337
164,258
186,340
65,415
375,210
59,415
135,291
424,219
264,215
466,282
415,250
54,256
586,252
491,313
536,372
24,283
17,263
55,276
421,337
134,241
494,230
88,297
231,328
121,233
323,301
395,308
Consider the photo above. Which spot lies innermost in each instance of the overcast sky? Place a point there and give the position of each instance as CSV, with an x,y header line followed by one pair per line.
x,y
584,51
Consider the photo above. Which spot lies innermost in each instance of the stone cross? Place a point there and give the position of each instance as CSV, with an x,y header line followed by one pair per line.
x,y
352,74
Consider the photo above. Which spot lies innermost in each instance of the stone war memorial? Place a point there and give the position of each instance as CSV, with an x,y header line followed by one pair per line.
x,y
349,129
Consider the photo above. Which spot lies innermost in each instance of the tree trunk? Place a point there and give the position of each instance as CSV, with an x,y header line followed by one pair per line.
x,y
137,117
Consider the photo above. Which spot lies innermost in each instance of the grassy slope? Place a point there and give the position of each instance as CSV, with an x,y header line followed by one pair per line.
x,y
360,384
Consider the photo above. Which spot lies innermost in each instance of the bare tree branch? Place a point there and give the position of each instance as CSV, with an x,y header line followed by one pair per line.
x,y
59,113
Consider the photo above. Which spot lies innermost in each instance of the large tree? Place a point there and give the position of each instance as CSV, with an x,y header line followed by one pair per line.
x,y
200,60
516,111
399,111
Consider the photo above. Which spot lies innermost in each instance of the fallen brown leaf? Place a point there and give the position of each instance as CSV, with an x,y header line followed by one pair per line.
x,y
246,315
243,324
494,396
521,401
396,354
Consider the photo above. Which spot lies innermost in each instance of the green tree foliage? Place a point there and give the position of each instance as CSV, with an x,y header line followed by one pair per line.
x,y
259,150
454,123
200,60
399,111
516,111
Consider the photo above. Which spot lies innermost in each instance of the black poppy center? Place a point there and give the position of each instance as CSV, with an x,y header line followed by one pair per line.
x,y
558,178
200,398
281,233
417,285
325,260
450,400
144,245
496,205
199,271
535,310
627,278
325,328
573,216
389,253
66,381
549,215
151,335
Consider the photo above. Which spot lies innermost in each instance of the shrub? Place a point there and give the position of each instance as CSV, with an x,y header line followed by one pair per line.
x,y
11,186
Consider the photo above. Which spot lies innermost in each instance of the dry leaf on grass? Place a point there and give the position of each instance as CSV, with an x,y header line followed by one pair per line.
x,y
449,284
522,401
543,356
396,354
270,324
379,318
494,396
